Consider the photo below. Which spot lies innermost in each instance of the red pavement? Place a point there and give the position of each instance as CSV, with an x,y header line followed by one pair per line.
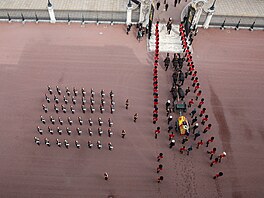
x,y
33,56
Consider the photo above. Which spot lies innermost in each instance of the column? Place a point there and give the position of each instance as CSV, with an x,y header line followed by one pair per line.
x,y
209,16
51,13
129,13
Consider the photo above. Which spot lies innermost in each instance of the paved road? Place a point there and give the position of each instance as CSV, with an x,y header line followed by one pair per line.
x,y
33,56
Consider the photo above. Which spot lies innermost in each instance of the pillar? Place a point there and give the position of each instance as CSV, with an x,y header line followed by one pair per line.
x,y
198,5
129,13
209,16
51,13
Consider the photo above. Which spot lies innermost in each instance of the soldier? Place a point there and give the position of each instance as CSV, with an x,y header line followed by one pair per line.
x,y
52,120
75,91
202,112
59,130
135,117
214,162
37,141
212,152
185,139
195,127
207,128
90,144
47,142
187,91
39,130
102,101
112,102
100,131
56,108
83,100
50,130
167,60
68,91
110,123
92,109
127,103
83,108
73,100
110,133
169,25
99,145
50,90
83,92
198,94
100,122
160,167
210,140
157,131
222,155
199,144
195,81
196,87
189,150
111,94
80,120
160,156
201,103
47,98
92,92
77,144
56,99
190,103
79,131
92,100
193,112
172,143
169,119
196,135
70,120
58,142
72,110
160,178
110,146
63,108
102,109
60,120
68,130
218,175
45,108
102,93
90,131
171,136
205,119
65,100
123,133
194,120
90,122
66,143
58,90
42,120
168,103
112,109
105,176
182,149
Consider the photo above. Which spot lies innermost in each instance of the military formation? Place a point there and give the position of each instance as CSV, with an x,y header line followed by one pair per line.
x,y
71,112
